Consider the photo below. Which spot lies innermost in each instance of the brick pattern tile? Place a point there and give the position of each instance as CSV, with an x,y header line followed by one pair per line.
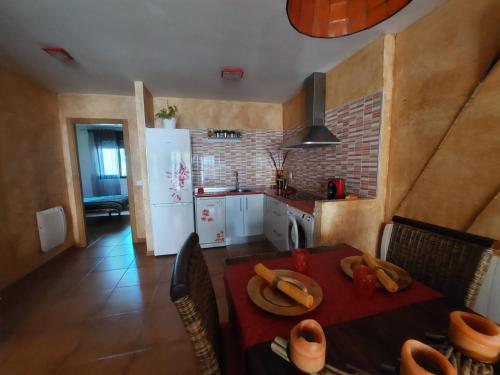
x,y
215,161
357,125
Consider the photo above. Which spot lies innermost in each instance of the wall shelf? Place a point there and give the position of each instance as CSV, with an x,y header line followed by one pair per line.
x,y
230,135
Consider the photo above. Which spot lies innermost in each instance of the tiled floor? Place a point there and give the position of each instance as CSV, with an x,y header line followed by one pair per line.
x,y
102,310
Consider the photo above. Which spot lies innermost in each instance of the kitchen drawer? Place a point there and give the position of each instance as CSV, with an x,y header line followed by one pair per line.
x,y
276,222
277,205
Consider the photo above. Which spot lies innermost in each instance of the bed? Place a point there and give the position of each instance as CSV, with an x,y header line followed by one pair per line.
x,y
106,203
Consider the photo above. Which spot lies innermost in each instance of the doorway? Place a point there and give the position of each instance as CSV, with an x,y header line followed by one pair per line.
x,y
101,154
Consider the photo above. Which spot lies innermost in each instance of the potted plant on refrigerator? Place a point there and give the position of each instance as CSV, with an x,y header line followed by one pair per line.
x,y
167,116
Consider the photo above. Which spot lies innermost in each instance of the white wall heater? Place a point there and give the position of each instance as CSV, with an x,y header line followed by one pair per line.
x,y
51,227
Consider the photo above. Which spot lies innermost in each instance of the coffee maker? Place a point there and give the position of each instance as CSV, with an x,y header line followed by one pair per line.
x,y
336,188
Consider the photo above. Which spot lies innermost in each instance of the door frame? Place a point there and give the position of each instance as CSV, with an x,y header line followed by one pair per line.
x,y
75,185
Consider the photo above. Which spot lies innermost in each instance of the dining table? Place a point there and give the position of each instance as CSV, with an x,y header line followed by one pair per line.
x,y
364,334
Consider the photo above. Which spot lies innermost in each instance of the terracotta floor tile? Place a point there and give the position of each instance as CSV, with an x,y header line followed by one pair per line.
x,y
127,299
171,327
141,276
99,281
114,365
122,250
68,310
162,296
97,251
173,358
114,263
109,336
152,261
39,353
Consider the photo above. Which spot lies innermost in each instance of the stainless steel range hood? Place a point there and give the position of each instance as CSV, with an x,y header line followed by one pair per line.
x,y
315,133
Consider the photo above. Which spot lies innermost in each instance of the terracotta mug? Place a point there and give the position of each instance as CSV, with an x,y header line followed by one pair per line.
x,y
420,359
308,346
475,336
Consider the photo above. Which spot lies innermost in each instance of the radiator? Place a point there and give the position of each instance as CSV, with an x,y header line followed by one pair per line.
x,y
51,227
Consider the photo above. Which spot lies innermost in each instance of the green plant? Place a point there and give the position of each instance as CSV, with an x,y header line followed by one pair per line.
x,y
167,113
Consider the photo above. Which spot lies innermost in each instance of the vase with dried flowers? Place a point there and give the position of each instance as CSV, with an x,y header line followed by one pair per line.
x,y
278,159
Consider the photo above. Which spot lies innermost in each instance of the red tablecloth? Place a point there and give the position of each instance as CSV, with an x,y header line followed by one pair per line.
x,y
340,302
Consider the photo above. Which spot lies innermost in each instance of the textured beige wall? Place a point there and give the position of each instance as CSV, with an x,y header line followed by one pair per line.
x,y
439,60
350,80
145,118
487,223
464,174
200,113
32,172
111,107
357,76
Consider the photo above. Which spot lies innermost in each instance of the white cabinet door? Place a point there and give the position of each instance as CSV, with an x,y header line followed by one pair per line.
x,y
267,217
235,213
211,221
254,214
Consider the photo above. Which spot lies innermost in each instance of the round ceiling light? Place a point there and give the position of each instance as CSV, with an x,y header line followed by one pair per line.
x,y
334,18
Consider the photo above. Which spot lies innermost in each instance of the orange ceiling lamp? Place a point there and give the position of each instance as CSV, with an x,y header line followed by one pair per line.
x,y
334,18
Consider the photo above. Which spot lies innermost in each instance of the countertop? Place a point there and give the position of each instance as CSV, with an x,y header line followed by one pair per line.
x,y
306,205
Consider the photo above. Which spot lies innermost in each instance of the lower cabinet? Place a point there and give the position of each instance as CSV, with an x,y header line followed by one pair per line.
x,y
244,217
276,222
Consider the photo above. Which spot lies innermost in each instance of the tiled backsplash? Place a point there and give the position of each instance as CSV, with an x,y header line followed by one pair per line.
x,y
215,161
357,125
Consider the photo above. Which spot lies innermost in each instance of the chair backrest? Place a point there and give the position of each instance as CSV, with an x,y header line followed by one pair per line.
x,y
192,293
452,262
488,299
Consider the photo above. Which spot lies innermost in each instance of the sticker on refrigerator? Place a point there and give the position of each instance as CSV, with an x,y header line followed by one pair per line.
x,y
220,237
178,178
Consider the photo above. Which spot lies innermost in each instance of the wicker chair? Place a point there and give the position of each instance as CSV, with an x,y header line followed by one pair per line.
x,y
192,293
449,261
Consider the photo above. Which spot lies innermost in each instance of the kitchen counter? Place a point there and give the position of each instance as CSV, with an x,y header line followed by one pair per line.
x,y
306,205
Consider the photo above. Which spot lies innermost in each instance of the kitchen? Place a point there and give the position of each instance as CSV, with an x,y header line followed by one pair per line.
x,y
240,199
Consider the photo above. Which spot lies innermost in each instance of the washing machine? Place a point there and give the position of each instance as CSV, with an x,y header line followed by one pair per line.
x,y
300,233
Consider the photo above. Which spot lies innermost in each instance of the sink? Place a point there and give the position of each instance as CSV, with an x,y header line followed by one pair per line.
x,y
240,191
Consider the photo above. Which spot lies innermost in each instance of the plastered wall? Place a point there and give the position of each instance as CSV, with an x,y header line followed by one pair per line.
x,y
464,173
439,61
357,76
102,107
200,113
31,170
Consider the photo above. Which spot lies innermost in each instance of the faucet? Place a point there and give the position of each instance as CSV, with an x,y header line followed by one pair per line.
x,y
237,186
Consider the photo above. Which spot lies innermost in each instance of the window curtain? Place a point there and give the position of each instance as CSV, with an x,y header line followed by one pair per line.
x,y
105,149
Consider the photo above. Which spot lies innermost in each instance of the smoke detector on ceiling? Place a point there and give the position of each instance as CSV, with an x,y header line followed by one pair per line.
x,y
59,53
234,74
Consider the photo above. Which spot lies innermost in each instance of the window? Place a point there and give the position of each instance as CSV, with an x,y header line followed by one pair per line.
x,y
114,162
123,163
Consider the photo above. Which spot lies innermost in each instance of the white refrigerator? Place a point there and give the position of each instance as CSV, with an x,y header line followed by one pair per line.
x,y
168,153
